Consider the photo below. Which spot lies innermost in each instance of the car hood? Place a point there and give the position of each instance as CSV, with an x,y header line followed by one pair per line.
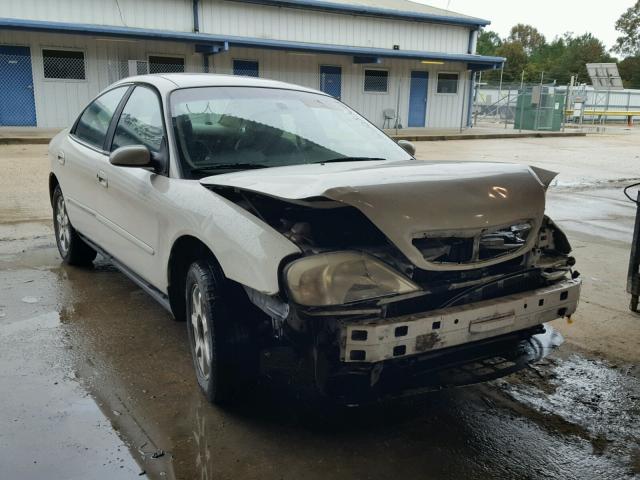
x,y
410,199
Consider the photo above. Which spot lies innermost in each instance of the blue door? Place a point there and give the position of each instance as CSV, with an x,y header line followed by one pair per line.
x,y
418,98
17,105
331,80
247,68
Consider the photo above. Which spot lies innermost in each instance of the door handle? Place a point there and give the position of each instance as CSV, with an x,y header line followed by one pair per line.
x,y
102,179
60,157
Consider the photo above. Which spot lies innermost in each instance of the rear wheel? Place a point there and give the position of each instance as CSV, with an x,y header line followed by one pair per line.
x,y
73,250
224,356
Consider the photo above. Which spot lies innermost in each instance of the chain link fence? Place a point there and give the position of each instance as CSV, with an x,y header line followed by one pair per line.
x,y
553,107
520,106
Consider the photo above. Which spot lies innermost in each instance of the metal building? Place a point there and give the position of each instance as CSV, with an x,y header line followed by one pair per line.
x,y
399,63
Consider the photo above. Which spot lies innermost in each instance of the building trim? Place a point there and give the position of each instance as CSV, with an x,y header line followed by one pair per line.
x,y
373,11
479,62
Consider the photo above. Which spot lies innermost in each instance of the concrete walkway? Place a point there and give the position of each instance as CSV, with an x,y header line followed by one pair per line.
x,y
26,135
476,133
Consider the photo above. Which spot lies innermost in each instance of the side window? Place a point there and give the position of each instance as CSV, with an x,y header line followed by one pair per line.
x,y
447,83
140,122
94,122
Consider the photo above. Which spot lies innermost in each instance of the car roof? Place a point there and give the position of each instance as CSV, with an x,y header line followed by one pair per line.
x,y
166,82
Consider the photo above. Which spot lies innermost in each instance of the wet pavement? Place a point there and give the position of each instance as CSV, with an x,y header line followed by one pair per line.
x,y
97,382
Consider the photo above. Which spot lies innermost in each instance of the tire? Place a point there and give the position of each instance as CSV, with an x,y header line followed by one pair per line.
x,y
224,354
73,250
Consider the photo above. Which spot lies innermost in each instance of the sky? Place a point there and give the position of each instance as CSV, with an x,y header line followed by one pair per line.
x,y
551,17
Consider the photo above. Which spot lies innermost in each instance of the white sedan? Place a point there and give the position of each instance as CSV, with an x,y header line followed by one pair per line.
x,y
272,215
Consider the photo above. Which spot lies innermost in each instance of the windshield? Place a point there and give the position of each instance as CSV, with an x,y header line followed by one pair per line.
x,y
223,129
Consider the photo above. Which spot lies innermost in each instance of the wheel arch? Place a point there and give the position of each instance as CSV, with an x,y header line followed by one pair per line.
x,y
185,250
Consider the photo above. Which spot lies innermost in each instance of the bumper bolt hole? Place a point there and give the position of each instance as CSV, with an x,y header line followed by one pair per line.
x,y
399,350
358,355
359,335
402,331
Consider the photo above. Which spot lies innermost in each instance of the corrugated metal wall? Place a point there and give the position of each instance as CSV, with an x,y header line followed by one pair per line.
x,y
59,101
160,14
248,20
235,18
443,110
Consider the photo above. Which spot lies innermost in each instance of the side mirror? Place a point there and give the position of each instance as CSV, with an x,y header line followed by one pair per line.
x,y
407,146
131,156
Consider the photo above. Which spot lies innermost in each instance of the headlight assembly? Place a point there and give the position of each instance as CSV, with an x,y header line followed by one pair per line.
x,y
337,278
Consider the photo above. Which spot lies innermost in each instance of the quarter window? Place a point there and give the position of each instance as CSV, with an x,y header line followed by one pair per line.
x,y
448,83
140,122
63,64
159,64
94,122
376,81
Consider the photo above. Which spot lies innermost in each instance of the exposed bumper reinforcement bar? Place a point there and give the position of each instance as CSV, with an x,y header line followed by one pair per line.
x,y
376,341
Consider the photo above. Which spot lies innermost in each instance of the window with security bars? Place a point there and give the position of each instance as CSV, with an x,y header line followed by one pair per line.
x,y
376,81
448,82
246,68
63,64
158,64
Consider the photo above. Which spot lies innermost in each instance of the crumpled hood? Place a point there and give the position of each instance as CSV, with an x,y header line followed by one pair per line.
x,y
407,199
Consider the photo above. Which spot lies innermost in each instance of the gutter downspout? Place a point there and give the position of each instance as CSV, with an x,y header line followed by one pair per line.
x,y
196,29
196,16
473,41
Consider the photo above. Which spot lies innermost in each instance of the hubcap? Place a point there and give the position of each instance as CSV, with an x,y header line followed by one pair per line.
x,y
200,328
64,227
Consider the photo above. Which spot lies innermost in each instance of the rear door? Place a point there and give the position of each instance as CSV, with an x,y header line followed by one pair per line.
x,y
134,197
17,105
81,157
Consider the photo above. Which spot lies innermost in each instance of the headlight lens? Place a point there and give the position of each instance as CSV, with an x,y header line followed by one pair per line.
x,y
343,277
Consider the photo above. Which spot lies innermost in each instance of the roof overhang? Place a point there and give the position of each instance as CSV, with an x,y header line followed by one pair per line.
x,y
375,11
475,62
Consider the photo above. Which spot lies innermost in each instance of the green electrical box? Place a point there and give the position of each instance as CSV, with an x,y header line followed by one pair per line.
x,y
539,110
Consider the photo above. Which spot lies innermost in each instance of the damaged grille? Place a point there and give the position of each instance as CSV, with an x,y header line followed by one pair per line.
x,y
488,245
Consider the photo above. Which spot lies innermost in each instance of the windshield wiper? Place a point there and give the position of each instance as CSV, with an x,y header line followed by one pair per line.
x,y
350,159
228,166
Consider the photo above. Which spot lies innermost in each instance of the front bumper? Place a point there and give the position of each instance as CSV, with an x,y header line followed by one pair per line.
x,y
376,341
421,352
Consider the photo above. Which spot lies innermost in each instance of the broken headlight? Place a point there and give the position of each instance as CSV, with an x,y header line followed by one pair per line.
x,y
337,278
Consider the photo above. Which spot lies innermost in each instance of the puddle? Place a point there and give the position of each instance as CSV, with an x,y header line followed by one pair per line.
x,y
586,398
98,377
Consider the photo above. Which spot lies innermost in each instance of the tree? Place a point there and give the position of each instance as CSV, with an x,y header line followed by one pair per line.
x,y
488,43
630,72
629,25
580,51
529,36
516,60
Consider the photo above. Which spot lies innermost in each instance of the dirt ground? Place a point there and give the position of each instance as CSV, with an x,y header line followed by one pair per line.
x,y
97,381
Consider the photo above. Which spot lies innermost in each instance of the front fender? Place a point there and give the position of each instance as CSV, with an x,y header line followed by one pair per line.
x,y
248,250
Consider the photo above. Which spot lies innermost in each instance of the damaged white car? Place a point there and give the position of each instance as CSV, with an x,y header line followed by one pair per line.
x,y
270,215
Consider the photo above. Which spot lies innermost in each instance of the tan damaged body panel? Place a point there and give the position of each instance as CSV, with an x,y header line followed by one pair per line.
x,y
408,200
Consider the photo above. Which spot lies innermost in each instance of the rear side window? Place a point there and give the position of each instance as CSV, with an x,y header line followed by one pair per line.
x,y
140,122
94,122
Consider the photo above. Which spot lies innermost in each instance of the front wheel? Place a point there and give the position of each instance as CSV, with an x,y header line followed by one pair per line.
x,y
73,250
223,354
